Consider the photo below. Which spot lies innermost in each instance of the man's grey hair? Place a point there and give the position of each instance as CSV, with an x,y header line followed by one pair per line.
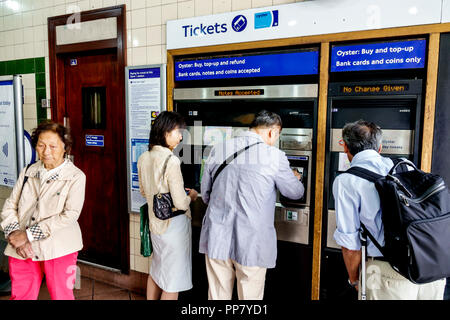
x,y
266,119
362,135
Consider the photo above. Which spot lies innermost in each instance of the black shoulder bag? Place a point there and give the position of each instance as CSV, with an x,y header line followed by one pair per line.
x,y
162,202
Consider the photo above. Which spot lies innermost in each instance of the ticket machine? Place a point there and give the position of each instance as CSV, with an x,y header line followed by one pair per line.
x,y
217,113
219,95
395,106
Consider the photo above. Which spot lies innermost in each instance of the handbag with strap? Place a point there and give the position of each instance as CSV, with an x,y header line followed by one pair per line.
x,y
25,179
162,202
146,242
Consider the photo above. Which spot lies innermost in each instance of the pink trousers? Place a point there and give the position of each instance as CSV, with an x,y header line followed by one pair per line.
x,y
26,277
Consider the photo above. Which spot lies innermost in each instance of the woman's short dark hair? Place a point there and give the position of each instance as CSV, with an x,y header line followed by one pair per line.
x,y
164,123
362,135
60,130
266,119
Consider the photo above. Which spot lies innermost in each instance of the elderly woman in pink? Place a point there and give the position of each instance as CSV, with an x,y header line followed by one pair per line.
x,y
40,219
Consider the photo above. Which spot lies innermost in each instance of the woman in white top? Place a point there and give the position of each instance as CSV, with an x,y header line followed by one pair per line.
x,y
171,264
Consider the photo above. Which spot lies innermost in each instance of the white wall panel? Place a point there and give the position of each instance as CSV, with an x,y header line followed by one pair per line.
x,y
308,18
94,30
445,11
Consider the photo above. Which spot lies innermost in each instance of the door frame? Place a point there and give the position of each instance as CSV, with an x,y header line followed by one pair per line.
x,y
57,94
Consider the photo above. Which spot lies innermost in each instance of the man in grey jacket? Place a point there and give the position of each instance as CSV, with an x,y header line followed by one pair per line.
x,y
238,235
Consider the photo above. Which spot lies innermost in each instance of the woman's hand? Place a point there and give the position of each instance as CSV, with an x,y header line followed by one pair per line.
x,y
193,194
17,238
25,251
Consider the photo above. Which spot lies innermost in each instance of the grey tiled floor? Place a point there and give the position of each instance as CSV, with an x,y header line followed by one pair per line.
x,y
92,290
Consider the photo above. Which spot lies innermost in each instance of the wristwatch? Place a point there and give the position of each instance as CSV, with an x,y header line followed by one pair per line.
x,y
353,284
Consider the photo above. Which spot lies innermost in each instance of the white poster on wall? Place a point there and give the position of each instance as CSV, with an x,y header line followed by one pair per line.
x,y
8,163
145,100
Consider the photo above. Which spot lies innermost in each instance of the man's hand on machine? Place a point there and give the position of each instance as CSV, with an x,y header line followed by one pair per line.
x,y
297,174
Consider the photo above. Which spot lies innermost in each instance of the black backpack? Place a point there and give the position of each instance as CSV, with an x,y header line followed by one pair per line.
x,y
415,209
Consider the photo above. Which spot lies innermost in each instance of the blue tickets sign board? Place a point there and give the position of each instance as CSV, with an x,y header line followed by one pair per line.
x,y
264,65
408,54
95,140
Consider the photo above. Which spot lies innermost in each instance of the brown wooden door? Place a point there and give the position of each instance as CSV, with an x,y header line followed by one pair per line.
x,y
94,111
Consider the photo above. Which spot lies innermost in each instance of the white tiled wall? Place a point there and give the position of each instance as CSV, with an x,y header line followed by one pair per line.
x,y
146,22
23,34
23,23
29,106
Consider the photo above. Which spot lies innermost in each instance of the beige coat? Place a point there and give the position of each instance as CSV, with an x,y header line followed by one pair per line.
x,y
150,166
52,209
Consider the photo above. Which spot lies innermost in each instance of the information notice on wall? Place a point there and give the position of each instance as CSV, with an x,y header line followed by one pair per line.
x,y
8,161
245,66
408,54
145,100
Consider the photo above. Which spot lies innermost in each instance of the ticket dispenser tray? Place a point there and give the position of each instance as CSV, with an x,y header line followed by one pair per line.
x,y
292,224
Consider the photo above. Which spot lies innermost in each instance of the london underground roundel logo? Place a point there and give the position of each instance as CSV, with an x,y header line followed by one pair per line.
x,y
239,23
